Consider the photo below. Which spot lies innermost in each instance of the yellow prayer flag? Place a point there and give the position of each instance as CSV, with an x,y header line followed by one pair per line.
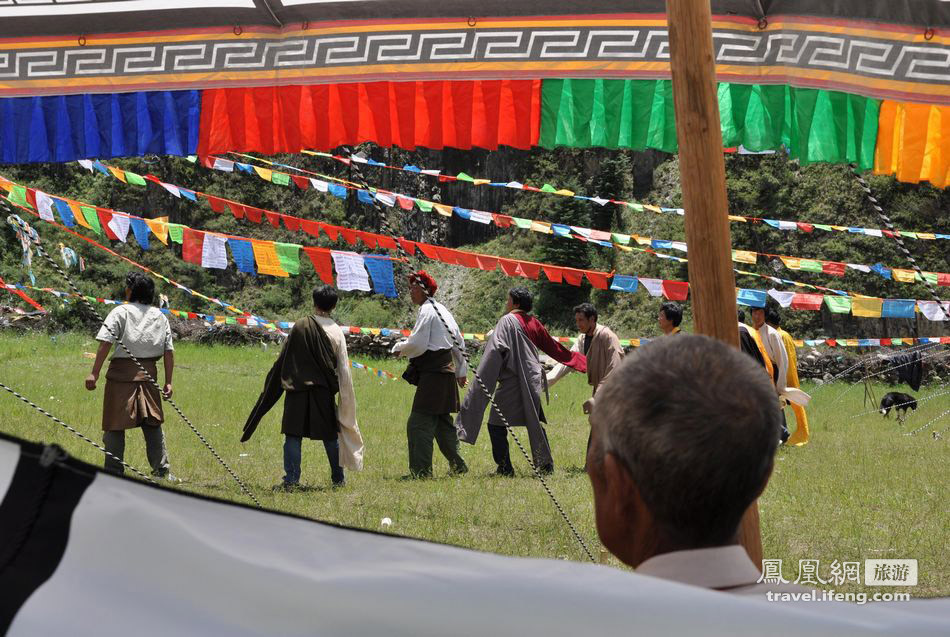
x,y
118,174
737,218
869,307
564,192
644,241
481,182
744,256
265,254
159,228
647,206
541,226
840,228
850,342
635,342
792,263
442,209
926,235
78,215
264,173
904,276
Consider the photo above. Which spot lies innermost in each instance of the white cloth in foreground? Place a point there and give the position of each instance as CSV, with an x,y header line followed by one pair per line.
x,y
177,564
775,346
429,334
350,271
351,440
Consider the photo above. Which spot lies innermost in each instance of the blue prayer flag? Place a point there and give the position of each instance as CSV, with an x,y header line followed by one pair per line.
x,y
381,272
624,283
243,254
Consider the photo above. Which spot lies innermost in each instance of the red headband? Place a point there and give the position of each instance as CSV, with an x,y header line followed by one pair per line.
x,y
423,279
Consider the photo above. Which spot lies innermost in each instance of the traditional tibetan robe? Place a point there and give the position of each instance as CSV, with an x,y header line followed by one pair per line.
x,y
510,362
801,435
603,352
312,368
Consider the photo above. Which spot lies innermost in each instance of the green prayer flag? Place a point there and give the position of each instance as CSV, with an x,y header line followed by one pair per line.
x,y
524,224
230,320
931,277
635,206
909,235
810,265
92,218
464,177
176,232
620,238
838,304
424,206
822,226
289,255
18,196
134,178
548,188
192,158
281,179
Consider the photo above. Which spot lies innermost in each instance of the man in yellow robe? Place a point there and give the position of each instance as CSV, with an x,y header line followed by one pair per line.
x,y
800,437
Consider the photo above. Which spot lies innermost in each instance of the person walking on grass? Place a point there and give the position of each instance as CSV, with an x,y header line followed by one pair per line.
x,y
437,368
313,368
800,437
510,361
130,400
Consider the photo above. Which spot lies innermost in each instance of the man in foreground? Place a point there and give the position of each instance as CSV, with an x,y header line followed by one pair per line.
x,y
437,368
510,361
313,367
774,320
678,456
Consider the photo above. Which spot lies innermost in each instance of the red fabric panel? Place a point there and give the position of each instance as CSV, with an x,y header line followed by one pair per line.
x,y
675,290
332,231
554,274
432,114
807,301
387,243
322,263
429,250
572,276
529,270
253,214
502,221
448,255
408,246
236,209
885,341
292,223
310,227
405,203
104,218
368,238
349,235
509,267
466,259
193,241
302,182
31,198
833,268
489,264
805,227
273,218
943,278
216,204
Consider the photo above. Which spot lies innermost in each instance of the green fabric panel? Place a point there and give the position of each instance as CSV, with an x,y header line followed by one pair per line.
x,y
289,255
524,224
824,227
815,125
281,179
548,188
18,196
92,218
424,206
134,178
809,265
838,304
176,232
464,177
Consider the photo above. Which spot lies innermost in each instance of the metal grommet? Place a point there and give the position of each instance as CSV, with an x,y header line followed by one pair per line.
x,y
472,21
763,23
82,40
238,30
929,35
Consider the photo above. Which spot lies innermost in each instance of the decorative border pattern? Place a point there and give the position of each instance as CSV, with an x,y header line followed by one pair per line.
x,y
878,63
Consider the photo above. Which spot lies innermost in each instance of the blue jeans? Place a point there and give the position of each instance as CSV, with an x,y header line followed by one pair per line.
x,y
292,456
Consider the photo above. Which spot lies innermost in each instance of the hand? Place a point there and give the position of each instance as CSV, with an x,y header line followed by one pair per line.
x,y
91,381
463,381
167,391
588,406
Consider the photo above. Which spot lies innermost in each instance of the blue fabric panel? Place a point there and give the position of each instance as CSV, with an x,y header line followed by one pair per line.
x,y
364,196
898,308
624,283
337,190
140,230
381,272
65,213
752,298
58,128
882,270
243,255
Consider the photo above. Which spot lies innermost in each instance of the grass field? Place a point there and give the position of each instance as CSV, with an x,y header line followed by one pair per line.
x,y
860,490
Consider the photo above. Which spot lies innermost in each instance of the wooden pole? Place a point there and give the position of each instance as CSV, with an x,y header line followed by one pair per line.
x,y
703,177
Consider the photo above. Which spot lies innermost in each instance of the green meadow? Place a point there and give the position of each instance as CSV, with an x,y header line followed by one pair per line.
x,y
860,490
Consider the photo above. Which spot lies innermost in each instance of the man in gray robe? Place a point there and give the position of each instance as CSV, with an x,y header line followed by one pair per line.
x,y
510,361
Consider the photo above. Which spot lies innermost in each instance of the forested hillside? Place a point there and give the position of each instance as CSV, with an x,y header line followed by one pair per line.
x,y
761,186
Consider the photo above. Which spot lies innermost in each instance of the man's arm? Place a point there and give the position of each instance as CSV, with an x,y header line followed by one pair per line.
x,y
169,360
101,354
418,341
561,370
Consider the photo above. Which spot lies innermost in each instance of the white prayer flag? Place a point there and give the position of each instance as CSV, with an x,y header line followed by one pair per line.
x,y
386,198
934,311
213,252
600,201
858,267
873,232
44,205
481,217
350,271
787,225
679,245
223,164
321,186
120,226
86,163
783,297
653,286
171,188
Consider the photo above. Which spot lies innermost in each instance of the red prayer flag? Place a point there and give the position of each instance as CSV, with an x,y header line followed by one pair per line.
x,y
292,223
104,218
833,268
597,279
502,221
331,231
509,267
805,227
553,273
301,182
831,342
943,278
273,218
31,197
368,238
807,301
237,210
405,203
885,341
889,233
675,290
467,259
192,245
387,243
216,203
408,246
322,263
529,270
349,235
448,255
487,263
252,213
572,276
429,250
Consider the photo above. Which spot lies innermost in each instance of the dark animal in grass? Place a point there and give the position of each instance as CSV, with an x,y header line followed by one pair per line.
x,y
900,402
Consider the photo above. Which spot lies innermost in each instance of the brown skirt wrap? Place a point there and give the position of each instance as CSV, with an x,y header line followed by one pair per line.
x,y
130,400
436,391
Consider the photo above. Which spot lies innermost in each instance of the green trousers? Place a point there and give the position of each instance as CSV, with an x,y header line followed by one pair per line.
x,y
421,429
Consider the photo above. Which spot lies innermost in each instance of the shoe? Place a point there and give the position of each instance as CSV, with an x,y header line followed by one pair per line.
x,y
338,485
168,476
287,487
457,471
546,470
507,472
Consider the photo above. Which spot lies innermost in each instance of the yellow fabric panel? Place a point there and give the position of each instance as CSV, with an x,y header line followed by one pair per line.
x,y
913,142
159,228
265,254
904,276
264,173
744,256
868,307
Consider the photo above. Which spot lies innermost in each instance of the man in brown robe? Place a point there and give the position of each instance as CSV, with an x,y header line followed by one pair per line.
x,y
312,369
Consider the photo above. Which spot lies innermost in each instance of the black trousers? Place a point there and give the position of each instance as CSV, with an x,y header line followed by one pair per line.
x,y
500,452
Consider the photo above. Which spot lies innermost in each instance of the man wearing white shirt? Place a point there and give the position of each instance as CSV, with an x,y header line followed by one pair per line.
x,y
437,368
775,346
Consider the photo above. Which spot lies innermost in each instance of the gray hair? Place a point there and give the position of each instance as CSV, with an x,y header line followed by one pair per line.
x,y
696,423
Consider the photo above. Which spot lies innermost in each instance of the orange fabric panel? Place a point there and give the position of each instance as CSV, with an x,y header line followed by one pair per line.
x,y
913,142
